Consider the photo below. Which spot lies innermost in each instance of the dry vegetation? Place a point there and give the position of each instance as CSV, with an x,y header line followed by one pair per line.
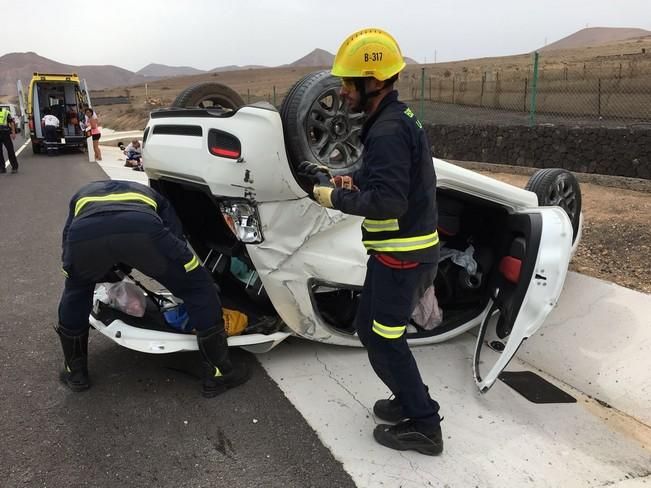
x,y
255,84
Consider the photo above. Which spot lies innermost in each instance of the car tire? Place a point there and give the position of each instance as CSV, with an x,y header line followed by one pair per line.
x,y
318,127
36,148
555,186
209,95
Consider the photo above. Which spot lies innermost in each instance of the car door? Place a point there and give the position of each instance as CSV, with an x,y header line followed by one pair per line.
x,y
22,102
532,265
84,87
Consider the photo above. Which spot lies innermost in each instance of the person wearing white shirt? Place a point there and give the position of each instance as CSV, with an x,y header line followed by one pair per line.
x,y
50,127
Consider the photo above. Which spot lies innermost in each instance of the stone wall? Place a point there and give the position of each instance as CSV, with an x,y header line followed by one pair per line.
x,y
618,152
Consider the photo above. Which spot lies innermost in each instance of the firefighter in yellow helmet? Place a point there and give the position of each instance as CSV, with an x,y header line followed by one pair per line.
x,y
395,190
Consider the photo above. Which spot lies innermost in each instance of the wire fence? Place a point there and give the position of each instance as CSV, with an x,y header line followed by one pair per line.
x,y
603,93
589,94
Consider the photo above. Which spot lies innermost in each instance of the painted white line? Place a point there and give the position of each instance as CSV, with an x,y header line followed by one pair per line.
x,y
7,163
495,440
598,340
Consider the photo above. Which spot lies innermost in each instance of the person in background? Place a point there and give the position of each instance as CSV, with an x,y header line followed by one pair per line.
x,y
7,136
133,152
72,118
50,125
92,125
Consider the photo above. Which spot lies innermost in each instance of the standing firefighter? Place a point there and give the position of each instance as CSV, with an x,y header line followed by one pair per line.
x,y
7,136
395,190
120,223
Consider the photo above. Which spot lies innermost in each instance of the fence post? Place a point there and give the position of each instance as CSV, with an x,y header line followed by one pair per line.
x,y
534,91
481,94
599,98
430,88
422,93
453,80
248,95
274,95
524,100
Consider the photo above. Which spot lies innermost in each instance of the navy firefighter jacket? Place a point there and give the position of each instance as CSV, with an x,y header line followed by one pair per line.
x,y
113,196
397,186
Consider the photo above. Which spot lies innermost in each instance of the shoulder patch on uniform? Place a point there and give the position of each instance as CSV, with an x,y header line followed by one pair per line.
x,y
409,113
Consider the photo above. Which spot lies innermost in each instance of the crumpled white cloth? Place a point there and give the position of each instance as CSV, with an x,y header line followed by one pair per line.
x,y
464,259
427,313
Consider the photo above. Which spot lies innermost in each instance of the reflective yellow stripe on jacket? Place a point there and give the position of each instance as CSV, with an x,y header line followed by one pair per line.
x,y
388,332
192,264
4,116
380,225
115,197
403,244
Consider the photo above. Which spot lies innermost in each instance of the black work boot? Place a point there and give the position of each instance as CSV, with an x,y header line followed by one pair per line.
x,y
75,353
389,410
410,435
218,372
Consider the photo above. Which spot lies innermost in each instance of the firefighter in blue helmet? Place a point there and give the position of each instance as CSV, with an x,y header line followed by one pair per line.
x,y
395,190
121,223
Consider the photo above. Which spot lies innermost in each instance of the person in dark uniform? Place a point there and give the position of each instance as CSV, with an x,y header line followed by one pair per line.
x,y
121,223
395,190
7,136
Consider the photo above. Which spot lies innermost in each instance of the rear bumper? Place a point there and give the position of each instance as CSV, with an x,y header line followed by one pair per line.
x,y
159,342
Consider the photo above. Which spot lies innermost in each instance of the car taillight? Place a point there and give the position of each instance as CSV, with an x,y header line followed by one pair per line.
x,y
243,221
224,153
224,145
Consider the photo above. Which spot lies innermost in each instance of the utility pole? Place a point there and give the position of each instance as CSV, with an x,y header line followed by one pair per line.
x,y
434,56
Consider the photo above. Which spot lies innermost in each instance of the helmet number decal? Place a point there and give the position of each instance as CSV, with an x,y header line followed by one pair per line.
x,y
375,56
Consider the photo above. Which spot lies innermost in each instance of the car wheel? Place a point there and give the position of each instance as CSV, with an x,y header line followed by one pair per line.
x,y
36,148
318,127
209,95
554,186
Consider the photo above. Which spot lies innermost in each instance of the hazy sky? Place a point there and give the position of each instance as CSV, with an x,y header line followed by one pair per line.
x,y
209,33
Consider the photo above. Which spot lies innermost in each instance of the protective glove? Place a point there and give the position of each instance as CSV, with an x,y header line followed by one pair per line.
x,y
323,195
345,182
316,173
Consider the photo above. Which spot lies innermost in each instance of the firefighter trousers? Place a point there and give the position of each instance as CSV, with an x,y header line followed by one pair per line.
x,y
97,243
387,302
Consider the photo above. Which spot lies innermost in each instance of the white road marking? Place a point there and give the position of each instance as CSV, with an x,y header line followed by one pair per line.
x,y
499,439
7,163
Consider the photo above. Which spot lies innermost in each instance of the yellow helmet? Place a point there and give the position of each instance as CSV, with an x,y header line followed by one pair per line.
x,y
368,52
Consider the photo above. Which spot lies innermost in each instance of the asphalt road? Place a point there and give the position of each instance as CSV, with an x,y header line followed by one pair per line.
x,y
143,423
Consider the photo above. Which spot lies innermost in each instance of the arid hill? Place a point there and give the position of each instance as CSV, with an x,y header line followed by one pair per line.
x,y
155,70
595,36
318,57
15,66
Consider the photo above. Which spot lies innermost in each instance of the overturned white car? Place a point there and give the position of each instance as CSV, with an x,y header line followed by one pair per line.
x,y
229,171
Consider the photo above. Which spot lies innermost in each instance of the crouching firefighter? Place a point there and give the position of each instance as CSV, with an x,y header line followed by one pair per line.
x,y
128,224
395,190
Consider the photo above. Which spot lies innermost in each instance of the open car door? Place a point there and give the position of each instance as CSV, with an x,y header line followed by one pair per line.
x,y
524,287
86,93
23,103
